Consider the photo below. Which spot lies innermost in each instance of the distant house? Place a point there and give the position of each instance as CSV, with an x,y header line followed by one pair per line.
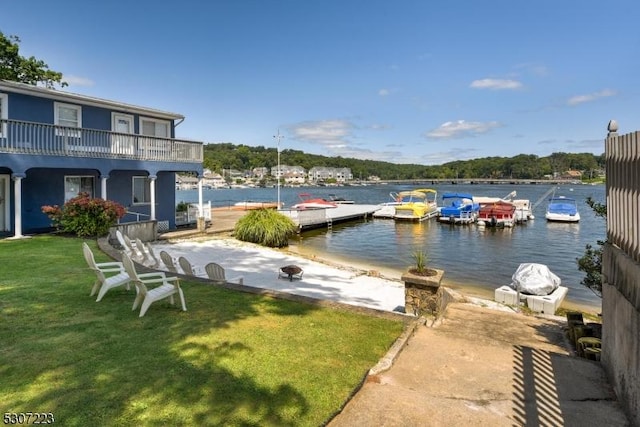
x,y
260,172
572,174
321,173
213,180
54,145
293,174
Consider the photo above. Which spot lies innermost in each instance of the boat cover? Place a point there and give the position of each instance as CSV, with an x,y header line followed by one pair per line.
x,y
534,279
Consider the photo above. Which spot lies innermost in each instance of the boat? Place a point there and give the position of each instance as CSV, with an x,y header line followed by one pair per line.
x,y
499,213
523,211
562,209
388,209
458,208
416,205
340,200
309,202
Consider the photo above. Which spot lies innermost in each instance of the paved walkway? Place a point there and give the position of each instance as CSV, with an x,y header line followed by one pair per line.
x,y
487,368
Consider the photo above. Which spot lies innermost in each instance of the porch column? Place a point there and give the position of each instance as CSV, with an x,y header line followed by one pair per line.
x,y
152,189
17,204
103,186
200,206
200,221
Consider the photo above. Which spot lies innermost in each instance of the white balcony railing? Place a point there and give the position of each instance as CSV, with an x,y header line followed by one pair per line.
x,y
49,140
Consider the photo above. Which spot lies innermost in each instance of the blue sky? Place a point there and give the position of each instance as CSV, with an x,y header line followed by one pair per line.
x,y
411,81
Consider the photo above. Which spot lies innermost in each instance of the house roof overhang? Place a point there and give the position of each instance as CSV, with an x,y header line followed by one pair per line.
x,y
26,89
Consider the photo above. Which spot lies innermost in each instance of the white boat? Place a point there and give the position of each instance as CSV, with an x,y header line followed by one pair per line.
x,y
388,209
562,209
340,200
308,202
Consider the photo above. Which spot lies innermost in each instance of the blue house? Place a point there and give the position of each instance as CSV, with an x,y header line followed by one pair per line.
x,y
55,144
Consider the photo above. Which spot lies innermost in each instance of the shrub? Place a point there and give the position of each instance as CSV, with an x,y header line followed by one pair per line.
x,y
266,227
591,261
84,216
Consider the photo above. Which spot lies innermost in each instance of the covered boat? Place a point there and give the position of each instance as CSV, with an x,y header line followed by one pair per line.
x,y
416,205
308,202
562,209
499,213
458,208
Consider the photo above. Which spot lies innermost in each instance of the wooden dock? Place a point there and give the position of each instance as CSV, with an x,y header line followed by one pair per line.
x,y
307,219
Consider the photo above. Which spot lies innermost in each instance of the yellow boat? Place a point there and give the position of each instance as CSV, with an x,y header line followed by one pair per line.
x,y
416,205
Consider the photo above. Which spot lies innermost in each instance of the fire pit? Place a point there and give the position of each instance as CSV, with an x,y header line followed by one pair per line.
x,y
290,271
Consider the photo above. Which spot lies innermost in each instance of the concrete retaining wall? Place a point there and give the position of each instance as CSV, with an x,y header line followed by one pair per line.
x,y
621,327
146,231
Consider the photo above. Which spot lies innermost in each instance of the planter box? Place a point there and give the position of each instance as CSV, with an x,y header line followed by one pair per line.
x,y
421,293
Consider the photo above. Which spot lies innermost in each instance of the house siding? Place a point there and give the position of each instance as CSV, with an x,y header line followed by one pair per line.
x,y
41,110
30,108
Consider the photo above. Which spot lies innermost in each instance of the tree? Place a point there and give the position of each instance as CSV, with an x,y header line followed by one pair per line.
x,y
591,261
30,70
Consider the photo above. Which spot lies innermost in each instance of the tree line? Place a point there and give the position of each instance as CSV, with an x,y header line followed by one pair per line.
x,y
523,166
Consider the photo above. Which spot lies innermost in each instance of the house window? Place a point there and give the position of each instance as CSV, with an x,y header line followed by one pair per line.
x,y
69,116
153,127
141,190
4,114
74,185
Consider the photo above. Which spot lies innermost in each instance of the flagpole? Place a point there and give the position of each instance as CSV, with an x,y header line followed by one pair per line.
x,y
278,137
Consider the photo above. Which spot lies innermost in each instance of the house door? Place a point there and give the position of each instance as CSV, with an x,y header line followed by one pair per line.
x,y
4,203
120,143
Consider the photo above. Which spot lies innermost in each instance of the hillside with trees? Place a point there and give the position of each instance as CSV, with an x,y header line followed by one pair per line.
x,y
523,166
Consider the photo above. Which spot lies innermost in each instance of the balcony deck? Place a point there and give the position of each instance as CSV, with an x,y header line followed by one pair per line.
x,y
19,137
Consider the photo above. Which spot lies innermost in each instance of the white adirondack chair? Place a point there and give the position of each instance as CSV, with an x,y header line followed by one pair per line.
x,y
168,261
216,273
109,275
147,256
188,268
169,286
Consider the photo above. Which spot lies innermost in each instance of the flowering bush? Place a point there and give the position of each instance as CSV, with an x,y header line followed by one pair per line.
x,y
85,216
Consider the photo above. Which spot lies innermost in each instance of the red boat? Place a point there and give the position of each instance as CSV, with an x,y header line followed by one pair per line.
x,y
497,214
308,202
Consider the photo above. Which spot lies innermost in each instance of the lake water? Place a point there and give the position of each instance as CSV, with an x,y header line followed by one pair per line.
x,y
471,257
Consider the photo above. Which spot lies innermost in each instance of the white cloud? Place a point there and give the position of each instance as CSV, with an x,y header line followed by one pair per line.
x,y
330,133
77,81
384,92
495,84
581,99
461,129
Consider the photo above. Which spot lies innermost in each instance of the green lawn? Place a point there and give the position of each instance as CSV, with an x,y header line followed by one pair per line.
x,y
232,359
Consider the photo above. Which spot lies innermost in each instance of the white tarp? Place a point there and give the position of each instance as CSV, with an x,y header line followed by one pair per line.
x,y
534,279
